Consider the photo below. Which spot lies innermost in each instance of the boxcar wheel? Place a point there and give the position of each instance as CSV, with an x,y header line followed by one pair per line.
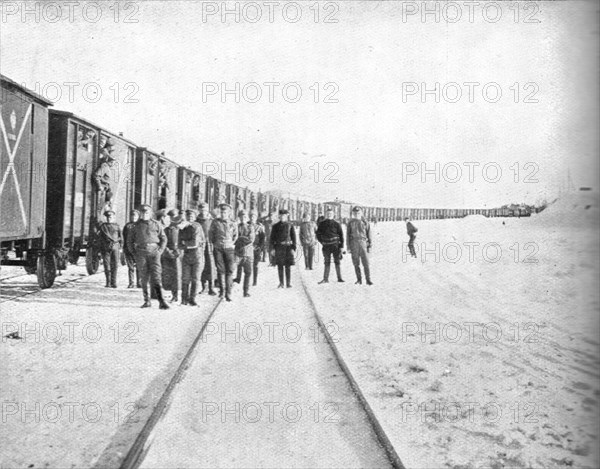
x,y
92,260
46,270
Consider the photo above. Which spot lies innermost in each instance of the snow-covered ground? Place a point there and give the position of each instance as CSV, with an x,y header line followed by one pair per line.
x,y
483,351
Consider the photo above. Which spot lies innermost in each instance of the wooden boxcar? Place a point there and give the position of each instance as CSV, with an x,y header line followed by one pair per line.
x,y
155,180
90,170
23,173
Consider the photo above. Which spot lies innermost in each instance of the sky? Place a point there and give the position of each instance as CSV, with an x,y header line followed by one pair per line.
x,y
361,129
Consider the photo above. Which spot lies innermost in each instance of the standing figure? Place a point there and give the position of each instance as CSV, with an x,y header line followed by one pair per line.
x,y
282,244
192,242
147,242
110,245
308,238
259,243
331,237
411,230
222,234
171,257
244,251
132,270
268,225
209,272
358,241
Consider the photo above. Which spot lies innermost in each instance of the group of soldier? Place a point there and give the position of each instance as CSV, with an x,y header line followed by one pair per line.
x,y
184,253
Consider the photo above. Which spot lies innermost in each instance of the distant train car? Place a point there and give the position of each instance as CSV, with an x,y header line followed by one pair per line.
x,y
23,168
91,170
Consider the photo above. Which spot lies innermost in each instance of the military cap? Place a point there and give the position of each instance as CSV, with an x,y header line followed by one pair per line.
x,y
283,211
224,205
173,213
202,205
133,212
356,209
161,213
192,211
143,206
108,212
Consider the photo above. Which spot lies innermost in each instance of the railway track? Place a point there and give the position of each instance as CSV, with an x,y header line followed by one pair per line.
x,y
150,434
32,287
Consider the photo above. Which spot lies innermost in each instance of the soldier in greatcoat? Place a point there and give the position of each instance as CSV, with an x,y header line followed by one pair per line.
x,y
147,242
358,241
308,239
244,251
282,244
110,245
222,234
192,242
171,257
209,273
331,237
132,270
259,243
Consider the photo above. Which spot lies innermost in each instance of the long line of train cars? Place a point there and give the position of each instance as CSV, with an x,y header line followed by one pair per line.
x,y
60,172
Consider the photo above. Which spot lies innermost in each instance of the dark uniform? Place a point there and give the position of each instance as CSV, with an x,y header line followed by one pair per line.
x,y
171,257
331,237
132,270
259,248
222,234
358,241
110,244
283,244
191,241
308,239
411,230
147,242
244,253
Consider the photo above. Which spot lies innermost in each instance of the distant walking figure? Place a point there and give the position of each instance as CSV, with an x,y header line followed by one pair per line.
x,y
411,230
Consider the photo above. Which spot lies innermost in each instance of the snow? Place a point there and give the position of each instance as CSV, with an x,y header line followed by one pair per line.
x,y
484,362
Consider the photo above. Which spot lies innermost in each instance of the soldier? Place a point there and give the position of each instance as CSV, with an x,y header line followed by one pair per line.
x,y
208,273
192,242
411,230
268,224
110,244
171,257
331,237
222,234
358,241
132,269
244,251
282,246
147,242
259,243
308,238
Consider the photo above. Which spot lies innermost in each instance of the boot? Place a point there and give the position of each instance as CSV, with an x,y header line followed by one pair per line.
x,y
288,276
192,297
107,275
368,274
211,292
358,275
221,281
280,273
113,278
228,286
246,285
159,294
203,288
175,296
326,274
338,272
146,299
131,275
255,275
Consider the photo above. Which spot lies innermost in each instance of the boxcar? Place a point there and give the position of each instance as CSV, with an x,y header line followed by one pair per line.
x,y
90,170
155,180
23,172
191,188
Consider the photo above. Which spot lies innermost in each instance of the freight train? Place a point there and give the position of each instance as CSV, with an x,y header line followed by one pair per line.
x,y
60,172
